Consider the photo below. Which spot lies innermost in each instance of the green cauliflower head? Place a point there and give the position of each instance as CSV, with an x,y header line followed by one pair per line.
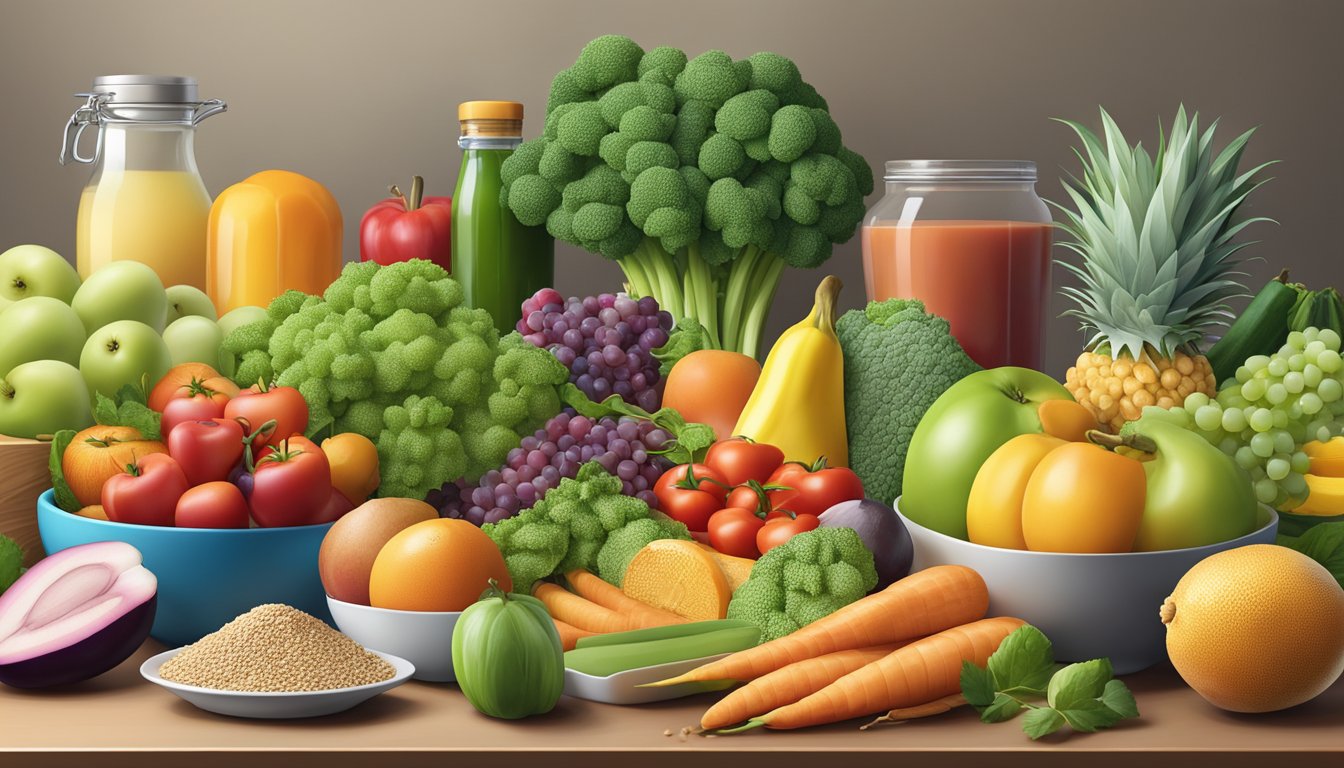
x,y
898,360
812,575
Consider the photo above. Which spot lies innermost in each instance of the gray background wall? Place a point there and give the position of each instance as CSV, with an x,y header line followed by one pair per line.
x,y
359,95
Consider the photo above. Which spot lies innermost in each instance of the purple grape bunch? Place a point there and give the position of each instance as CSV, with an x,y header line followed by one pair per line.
x,y
606,341
556,451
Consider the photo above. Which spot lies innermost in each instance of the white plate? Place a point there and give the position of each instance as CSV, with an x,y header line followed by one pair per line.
x,y
276,705
620,688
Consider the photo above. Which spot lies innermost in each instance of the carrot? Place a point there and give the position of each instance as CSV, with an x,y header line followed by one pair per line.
x,y
590,587
935,707
788,684
920,604
583,614
569,634
919,673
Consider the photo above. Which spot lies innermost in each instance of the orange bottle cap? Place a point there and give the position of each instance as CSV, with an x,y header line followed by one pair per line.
x,y
490,110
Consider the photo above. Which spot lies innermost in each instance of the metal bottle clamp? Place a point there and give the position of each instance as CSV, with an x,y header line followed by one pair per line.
x,y
98,108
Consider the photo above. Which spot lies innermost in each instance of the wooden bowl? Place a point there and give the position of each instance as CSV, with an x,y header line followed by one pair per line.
x,y
23,477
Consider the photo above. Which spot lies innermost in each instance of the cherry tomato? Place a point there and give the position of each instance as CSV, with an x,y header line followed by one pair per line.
x,y
732,531
216,504
778,530
208,450
740,460
146,493
258,405
814,489
690,501
291,483
335,509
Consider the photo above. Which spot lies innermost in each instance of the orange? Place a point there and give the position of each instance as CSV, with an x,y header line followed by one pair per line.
x,y
354,465
712,386
437,565
1256,629
97,453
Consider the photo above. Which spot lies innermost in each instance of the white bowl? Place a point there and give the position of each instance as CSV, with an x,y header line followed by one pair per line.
x,y
1089,605
623,687
425,638
273,706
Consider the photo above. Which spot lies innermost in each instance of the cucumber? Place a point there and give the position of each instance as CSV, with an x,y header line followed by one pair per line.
x,y
606,660
1260,330
660,633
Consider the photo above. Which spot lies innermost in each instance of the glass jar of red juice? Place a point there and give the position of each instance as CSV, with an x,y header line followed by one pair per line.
x,y
971,239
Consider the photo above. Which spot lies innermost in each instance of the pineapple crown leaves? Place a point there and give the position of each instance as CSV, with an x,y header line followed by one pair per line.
x,y
1154,235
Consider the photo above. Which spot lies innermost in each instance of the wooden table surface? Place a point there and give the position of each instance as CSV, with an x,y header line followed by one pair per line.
x,y
124,720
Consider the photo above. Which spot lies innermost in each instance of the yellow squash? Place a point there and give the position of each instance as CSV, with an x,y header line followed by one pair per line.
x,y
798,404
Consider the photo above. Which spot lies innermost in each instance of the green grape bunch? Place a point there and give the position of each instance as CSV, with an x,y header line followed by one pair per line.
x,y
1276,404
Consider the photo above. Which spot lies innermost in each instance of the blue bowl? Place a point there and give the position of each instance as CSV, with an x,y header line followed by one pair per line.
x,y
207,576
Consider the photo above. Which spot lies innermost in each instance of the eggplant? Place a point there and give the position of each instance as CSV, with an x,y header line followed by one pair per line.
x,y
75,615
882,532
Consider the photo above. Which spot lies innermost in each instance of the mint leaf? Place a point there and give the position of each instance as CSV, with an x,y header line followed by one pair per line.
x,y
1042,722
130,393
104,410
1118,698
1323,543
1004,707
977,685
1077,684
1023,662
1090,715
65,498
139,416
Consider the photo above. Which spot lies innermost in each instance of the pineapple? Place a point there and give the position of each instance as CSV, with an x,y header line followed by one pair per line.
x,y
1156,266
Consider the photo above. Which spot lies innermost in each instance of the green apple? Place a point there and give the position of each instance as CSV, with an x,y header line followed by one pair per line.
x,y
39,328
184,300
34,270
42,398
120,353
240,316
194,339
960,430
122,290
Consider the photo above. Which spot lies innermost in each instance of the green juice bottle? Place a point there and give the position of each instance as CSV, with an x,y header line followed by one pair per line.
x,y
498,261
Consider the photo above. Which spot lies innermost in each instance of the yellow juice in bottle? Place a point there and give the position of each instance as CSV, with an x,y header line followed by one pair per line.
x,y
155,217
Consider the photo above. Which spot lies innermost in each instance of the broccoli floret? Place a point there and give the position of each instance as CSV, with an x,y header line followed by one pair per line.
x,y
622,545
643,117
11,562
416,446
898,360
812,575
569,527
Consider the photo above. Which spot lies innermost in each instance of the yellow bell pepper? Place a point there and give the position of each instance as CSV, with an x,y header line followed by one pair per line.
x,y
272,232
798,404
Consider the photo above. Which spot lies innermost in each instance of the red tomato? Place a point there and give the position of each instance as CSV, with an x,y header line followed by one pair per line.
x,y
291,484
814,489
208,450
147,493
183,409
257,406
335,509
732,531
778,530
740,460
690,501
215,504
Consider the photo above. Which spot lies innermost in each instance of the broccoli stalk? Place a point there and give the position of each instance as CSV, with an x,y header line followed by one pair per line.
x,y
703,178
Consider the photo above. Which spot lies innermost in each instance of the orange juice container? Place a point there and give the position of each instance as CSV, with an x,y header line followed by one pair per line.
x,y
145,200
270,233
970,239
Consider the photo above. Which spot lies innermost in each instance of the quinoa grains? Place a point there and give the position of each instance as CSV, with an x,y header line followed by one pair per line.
x,y
276,648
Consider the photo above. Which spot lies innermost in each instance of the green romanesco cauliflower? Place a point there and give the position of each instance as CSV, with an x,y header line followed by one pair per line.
x,y
622,545
704,177
571,526
813,574
898,360
391,353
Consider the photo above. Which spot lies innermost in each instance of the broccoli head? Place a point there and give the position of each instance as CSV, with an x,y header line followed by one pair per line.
x,y
813,574
898,360
622,124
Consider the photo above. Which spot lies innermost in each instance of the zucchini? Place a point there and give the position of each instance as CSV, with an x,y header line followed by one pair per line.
x,y
1260,330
